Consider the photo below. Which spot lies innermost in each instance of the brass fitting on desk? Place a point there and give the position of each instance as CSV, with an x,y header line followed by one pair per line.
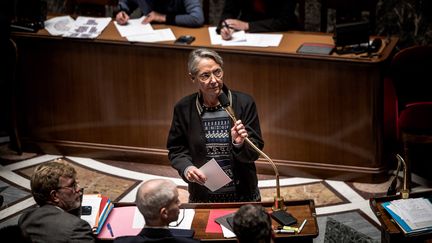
x,y
404,190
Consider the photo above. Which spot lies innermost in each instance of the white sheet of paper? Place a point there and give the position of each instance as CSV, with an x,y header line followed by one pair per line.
x,y
216,177
139,222
227,233
216,39
94,201
154,36
88,27
258,40
133,27
59,25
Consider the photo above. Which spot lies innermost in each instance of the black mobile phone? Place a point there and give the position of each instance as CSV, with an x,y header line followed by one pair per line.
x,y
284,218
86,210
185,39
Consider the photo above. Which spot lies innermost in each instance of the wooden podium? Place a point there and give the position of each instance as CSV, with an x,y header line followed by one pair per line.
x,y
390,231
301,209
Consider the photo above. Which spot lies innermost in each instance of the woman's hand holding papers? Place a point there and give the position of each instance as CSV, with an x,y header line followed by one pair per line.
x,y
194,174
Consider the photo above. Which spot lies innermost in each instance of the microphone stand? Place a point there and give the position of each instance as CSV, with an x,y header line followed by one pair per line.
x,y
278,200
404,191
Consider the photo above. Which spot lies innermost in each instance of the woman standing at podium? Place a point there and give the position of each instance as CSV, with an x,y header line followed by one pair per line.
x,y
201,130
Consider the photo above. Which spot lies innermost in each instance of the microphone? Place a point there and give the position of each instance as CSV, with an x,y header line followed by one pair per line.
x,y
278,200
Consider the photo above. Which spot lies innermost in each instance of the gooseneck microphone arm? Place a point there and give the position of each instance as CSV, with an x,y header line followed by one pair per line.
x,y
404,191
279,201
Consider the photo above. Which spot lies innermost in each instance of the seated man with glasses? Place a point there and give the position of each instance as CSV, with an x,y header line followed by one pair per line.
x,y
56,191
158,202
201,130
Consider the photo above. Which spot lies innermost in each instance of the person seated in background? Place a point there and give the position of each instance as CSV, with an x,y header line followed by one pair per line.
x,y
252,224
158,202
257,16
56,191
187,13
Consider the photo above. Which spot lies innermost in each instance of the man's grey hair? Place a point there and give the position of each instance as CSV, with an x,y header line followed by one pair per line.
x,y
153,195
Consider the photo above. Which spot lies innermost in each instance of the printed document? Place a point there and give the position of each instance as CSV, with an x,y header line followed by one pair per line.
x,y
87,27
59,25
133,27
216,177
240,38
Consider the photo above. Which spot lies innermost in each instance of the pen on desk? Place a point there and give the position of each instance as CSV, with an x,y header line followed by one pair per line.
x,y
226,25
284,231
110,230
301,226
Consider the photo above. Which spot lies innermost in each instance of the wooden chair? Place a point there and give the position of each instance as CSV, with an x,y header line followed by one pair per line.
x,y
348,11
410,73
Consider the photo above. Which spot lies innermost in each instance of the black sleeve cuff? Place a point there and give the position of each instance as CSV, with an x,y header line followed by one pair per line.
x,y
219,27
170,19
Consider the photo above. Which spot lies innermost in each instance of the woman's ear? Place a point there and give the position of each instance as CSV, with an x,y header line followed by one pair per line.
x,y
192,77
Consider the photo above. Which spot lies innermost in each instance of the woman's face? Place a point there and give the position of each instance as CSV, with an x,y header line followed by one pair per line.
x,y
209,78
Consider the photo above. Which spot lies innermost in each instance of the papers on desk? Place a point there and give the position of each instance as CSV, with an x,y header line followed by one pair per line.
x,y
217,222
139,222
59,25
82,27
136,31
133,27
99,207
413,215
240,38
128,220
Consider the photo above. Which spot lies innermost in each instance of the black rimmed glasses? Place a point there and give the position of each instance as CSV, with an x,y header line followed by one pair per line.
x,y
178,222
204,77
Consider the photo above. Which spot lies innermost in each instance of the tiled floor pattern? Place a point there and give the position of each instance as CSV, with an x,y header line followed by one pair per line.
x,y
344,204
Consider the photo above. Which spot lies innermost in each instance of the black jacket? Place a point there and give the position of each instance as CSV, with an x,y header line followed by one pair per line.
x,y
278,15
186,144
155,235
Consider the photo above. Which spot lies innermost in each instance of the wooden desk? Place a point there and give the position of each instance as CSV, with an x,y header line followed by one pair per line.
x,y
390,231
107,98
302,209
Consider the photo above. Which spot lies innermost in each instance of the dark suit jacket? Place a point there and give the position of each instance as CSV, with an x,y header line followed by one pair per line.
x,y
154,235
51,224
278,15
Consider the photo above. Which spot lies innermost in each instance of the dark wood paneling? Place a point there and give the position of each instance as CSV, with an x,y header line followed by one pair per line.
x,y
320,116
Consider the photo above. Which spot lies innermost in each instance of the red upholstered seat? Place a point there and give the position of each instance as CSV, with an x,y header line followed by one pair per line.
x,y
416,118
410,73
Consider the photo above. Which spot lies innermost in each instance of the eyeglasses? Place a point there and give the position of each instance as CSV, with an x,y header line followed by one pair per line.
x,y
178,222
74,187
218,73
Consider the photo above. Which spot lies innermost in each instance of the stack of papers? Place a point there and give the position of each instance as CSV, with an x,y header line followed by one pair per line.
x,y
413,215
136,31
82,27
240,38
99,207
